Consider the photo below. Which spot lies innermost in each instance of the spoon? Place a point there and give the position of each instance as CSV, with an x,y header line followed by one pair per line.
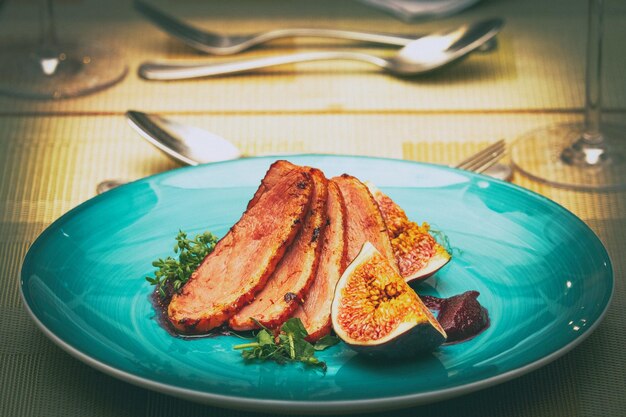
x,y
422,55
183,143
187,144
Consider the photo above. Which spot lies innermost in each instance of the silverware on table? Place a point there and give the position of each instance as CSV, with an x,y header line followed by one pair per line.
x,y
220,44
484,159
421,55
184,143
191,145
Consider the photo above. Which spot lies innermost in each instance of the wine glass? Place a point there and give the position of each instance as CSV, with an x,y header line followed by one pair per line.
x,y
588,156
52,69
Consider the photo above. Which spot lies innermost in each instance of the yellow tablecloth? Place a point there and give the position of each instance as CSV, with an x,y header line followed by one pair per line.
x,y
52,155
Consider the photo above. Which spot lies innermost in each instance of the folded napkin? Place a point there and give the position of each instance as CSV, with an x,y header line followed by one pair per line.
x,y
408,10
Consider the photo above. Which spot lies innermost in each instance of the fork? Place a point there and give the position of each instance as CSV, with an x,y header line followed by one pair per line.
x,y
217,44
484,159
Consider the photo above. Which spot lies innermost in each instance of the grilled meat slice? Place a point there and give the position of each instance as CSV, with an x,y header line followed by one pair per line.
x,y
287,286
244,258
365,222
275,172
315,311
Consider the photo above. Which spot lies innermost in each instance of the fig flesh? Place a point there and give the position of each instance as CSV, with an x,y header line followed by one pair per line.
x,y
377,313
417,252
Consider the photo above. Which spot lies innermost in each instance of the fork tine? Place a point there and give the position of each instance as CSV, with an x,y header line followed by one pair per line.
x,y
483,159
488,163
485,151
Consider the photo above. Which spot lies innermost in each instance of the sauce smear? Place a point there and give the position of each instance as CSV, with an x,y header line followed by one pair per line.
x,y
461,316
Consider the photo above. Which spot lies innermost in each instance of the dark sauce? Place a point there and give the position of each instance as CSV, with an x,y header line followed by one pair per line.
x,y
461,316
160,304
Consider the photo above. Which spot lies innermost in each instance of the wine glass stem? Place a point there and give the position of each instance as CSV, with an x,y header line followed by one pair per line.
x,y
593,87
48,36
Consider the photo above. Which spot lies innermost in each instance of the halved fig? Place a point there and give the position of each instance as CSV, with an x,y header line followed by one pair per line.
x,y
417,252
376,312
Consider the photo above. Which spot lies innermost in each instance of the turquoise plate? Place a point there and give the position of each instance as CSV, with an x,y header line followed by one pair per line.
x,y
543,275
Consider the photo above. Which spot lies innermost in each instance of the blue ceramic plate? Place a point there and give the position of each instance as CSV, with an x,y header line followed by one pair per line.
x,y
543,275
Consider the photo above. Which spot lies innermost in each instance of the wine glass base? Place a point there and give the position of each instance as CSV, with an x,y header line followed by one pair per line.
x,y
70,70
555,155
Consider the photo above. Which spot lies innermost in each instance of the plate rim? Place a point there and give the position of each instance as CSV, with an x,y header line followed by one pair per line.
x,y
324,406
317,407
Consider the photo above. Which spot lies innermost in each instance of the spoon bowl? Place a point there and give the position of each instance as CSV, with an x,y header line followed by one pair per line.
x,y
187,144
421,55
434,51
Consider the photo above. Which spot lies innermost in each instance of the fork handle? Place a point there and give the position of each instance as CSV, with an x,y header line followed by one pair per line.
x,y
182,71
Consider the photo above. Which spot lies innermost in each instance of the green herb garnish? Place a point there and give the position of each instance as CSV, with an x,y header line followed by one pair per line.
x,y
288,345
172,273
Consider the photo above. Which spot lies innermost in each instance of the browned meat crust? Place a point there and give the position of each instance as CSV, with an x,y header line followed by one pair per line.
x,y
244,258
275,172
315,311
365,223
285,289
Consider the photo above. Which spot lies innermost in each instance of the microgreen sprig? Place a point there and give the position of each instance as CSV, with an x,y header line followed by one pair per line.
x,y
288,345
171,273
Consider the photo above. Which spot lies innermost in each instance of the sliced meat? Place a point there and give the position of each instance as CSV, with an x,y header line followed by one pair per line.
x,y
244,258
285,289
315,311
275,172
365,223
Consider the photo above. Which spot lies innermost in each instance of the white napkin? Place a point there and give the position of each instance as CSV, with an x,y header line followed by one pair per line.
x,y
413,9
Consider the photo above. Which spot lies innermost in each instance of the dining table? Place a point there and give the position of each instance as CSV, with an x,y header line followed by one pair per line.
x,y
54,153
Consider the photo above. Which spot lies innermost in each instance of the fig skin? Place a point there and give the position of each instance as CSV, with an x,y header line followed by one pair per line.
x,y
418,330
415,340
